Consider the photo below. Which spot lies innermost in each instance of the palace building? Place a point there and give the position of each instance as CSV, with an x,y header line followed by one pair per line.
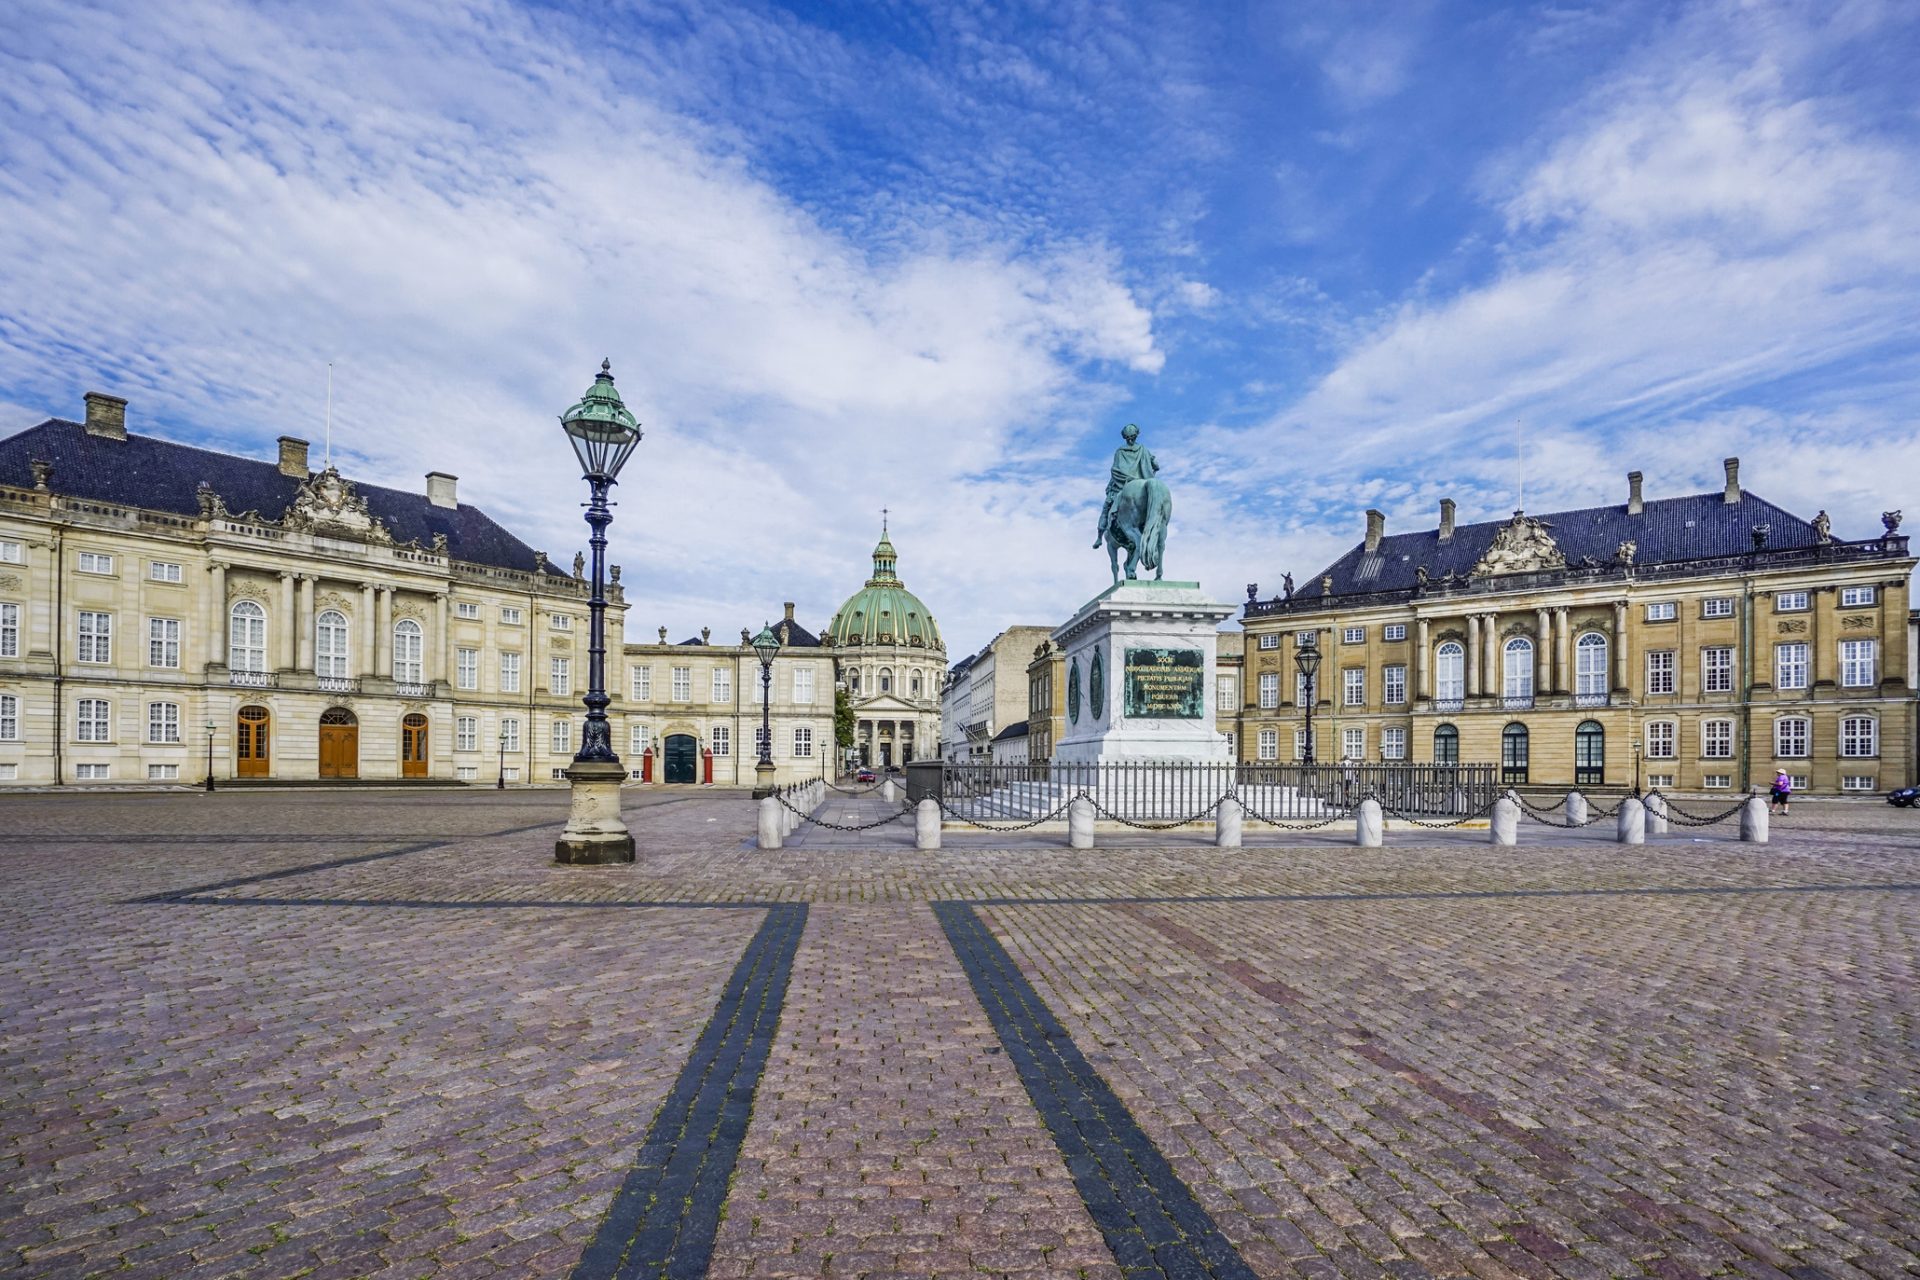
x,y
161,605
889,656
1697,643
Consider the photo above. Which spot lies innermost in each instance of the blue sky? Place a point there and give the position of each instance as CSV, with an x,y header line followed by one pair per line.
x,y
933,257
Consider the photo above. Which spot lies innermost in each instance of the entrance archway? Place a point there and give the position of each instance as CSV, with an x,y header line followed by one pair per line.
x,y
339,743
250,742
413,745
682,758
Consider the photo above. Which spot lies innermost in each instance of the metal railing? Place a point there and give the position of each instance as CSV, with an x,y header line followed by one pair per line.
x,y
253,679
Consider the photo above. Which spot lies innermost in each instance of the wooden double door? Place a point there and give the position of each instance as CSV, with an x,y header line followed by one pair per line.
x,y
339,744
413,745
252,740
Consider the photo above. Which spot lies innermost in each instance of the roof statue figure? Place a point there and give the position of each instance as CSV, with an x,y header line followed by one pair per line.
x,y
1137,508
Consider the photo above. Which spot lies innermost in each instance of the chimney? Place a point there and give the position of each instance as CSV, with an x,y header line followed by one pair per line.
x,y
1376,527
1446,519
106,416
1634,505
440,489
789,608
293,457
1732,494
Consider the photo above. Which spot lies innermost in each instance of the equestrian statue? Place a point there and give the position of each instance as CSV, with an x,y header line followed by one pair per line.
x,y
1137,509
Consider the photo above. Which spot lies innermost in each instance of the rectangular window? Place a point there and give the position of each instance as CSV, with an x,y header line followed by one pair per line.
x,y
93,723
9,717
1790,665
1662,611
643,684
1859,737
1353,635
1716,670
722,740
509,673
509,615
1858,670
1394,631
1393,743
163,642
1353,743
1660,739
1222,693
683,684
562,735
9,630
760,750
560,621
510,734
803,684
466,773
91,772
1660,780
511,773
1269,744
466,609
163,722
1269,690
1300,743
1851,596
1270,640
1716,781
94,562
1393,680
12,552
1856,782
639,738
466,668
1790,738
1716,739
466,733
163,773
1717,607
96,637
1789,601
1660,671
560,676
1353,687
1300,689
163,571
802,741
723,685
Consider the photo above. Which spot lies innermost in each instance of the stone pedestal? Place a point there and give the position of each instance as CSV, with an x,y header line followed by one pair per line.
x,y
595,835
1140,660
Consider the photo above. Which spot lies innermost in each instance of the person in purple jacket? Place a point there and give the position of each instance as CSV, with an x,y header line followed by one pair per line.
x,y
1782,792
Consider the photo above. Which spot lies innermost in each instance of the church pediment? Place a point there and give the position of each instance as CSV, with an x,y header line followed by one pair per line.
x,y
883,704
1522,545
326,503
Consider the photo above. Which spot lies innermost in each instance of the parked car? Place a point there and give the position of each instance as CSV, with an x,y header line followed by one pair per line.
x,y
1904,797
866,775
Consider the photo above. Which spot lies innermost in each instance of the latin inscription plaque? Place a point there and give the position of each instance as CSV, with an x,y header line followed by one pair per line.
x,y
1165,684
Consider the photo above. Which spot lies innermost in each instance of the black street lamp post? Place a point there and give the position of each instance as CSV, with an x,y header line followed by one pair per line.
x,y
500,777
767,646
603,434
1307,658
209,755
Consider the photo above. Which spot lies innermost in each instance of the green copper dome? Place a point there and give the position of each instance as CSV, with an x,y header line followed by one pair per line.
x,y
884,611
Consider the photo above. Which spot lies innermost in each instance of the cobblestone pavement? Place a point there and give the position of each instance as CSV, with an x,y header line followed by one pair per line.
x,y
325,1034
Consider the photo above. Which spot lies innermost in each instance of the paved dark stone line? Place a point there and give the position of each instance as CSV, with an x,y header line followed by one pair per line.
x,y
663,1220
483,904
1890,886
1149,1217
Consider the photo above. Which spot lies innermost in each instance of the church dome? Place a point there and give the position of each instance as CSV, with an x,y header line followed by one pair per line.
x,y
884,611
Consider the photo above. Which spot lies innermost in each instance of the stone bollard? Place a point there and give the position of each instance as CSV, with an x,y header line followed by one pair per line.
x,y
1505,826
1228,820
1080,823
771,827
926,824
1369,824
1656,814
886,791
1632,826
1753,820
1576,809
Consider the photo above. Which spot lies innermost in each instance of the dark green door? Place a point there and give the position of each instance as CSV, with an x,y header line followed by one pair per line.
x,y
683,758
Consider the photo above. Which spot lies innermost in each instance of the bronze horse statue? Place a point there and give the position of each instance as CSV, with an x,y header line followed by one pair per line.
x,y
1141,510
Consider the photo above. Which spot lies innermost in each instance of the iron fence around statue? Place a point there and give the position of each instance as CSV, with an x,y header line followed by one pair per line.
x,y
1180,792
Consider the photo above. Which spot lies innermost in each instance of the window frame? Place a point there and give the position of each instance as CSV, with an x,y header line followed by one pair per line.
x,y
1851,665
1393,742
466,733
1858,597
1353,742
640,680
166,724
802,742
9,717
1270,640
246,623
1393,631
510,616
1662,611
409,652
1267,744
1353,635
1802,666
1716,733
466,669
99,564
468,610
95,639
720,686
332,645
169,571
1269,690
1804,733
560,675
91,725
1516,679
166,645
1852,739
1353,686
1716,668
682,678
1792,601
1662,663
1662,740
1450,654
9,629
720,738
1393,684
510,671
1712,607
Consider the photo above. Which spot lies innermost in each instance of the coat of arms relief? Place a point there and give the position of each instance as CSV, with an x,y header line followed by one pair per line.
x,y
326,503
1522,545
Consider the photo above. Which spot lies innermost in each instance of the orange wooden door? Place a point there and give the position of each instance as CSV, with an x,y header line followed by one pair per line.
x,y
250,742
413,746
339,750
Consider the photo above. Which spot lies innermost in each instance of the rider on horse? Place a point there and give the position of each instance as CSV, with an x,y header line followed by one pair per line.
x,y
1131,461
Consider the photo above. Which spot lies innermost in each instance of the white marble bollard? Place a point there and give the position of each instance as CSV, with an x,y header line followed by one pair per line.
x,y
1753,820
1080,823
1369,824
1505,825
926,824
886,791
1228,821
1575,811
789,820
772,828
1656,814
1632,825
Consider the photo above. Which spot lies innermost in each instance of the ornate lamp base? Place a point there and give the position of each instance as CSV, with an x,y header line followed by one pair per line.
x,y
763,784
595,835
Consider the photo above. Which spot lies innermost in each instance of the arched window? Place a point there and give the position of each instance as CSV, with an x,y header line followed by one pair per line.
x,y
1519,672
247,638
853,681
1513,754
406,651
1446,744
1450,672
330,647
913,685
1590,669
1589,754
886,679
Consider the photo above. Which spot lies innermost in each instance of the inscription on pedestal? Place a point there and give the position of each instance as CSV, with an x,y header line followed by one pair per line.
x,y
1165,684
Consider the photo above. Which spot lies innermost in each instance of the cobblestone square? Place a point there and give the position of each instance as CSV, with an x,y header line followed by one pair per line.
x,y
381,1034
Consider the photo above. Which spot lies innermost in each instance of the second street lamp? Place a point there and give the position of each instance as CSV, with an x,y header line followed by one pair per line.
x,y
1307,658
767,646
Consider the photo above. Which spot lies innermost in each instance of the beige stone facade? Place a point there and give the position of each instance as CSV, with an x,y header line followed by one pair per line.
x,y
987,692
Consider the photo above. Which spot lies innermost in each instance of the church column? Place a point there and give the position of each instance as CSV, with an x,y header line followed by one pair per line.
x,y
1543,652
437,651
1423,643
217,605
383,636
364,666
303,622
1473,655
289,630
1620,668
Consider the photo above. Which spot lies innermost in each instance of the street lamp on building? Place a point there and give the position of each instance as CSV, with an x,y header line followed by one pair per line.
x,y
209,755
1307,658
603,435
767,646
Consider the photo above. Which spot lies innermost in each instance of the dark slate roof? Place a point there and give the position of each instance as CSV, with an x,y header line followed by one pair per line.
x,y
1018,729
1667,530
160,475
797,636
